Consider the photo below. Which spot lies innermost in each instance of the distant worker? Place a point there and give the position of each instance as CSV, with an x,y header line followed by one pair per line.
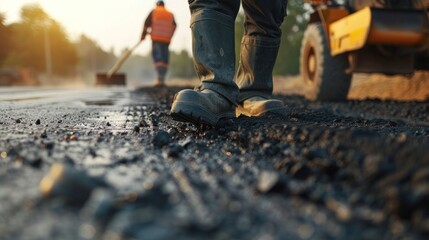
x,y
160,24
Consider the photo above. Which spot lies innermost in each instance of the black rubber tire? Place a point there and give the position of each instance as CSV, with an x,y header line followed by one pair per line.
x,y
325,75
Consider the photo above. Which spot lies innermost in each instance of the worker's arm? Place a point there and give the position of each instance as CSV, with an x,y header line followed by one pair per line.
x,y
147,25
175,25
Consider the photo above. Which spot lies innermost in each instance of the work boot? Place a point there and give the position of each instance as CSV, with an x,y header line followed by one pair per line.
x,y
255,78
214,52
204,106
258,106
214,60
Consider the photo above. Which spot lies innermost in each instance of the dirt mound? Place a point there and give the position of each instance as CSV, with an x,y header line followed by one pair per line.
x,y
391,87
369,86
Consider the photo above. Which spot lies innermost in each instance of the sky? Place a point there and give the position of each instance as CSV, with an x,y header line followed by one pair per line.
x,y
111,23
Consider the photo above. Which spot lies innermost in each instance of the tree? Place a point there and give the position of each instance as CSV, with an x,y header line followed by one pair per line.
x,y
92,58
29,41
5,40
292,33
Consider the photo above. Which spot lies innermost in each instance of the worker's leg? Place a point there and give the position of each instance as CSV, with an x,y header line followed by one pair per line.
x,y
212,25
160,57
259,48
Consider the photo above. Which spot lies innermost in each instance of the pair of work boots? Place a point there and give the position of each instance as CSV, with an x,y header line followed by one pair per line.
x,y
208,107
213,41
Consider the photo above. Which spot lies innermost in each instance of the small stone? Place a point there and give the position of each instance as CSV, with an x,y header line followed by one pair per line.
x,y
18,120
269,182
137,129
38,122
174,151
108,124
185,142
44,135
36,162
92,152
342,211
161,139
154,120
172,131
69,185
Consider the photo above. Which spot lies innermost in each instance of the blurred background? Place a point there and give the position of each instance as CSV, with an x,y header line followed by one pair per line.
x,y
66,43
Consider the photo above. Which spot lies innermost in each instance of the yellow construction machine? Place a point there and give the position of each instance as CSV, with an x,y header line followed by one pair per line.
x,y
362,36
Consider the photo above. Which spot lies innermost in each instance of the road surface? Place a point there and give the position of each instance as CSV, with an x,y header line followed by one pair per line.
x,y
110,163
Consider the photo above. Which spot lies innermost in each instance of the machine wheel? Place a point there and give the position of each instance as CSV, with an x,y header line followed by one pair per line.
x,y
325,75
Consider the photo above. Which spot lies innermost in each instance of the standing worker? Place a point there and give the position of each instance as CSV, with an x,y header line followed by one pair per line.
x,y
160,24
218,96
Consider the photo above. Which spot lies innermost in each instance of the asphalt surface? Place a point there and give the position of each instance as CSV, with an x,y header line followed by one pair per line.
x,y
112,164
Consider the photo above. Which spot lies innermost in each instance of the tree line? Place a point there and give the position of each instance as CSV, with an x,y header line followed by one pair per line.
x,y
23,45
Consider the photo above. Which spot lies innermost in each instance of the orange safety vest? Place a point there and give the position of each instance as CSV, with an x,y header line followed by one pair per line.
x,y
163,25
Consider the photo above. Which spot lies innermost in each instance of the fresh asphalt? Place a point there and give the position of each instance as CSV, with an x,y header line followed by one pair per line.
x,y
351,170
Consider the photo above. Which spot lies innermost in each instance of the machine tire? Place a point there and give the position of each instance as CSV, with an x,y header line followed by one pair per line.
x,y
325,75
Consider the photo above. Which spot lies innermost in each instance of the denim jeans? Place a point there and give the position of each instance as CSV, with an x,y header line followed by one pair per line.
x,y
262,17
160,56
260,43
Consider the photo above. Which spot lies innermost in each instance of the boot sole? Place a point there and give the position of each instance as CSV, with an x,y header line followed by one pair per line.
x,y
190,112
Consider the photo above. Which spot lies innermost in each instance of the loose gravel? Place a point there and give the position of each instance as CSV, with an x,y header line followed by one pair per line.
x,y
353,170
